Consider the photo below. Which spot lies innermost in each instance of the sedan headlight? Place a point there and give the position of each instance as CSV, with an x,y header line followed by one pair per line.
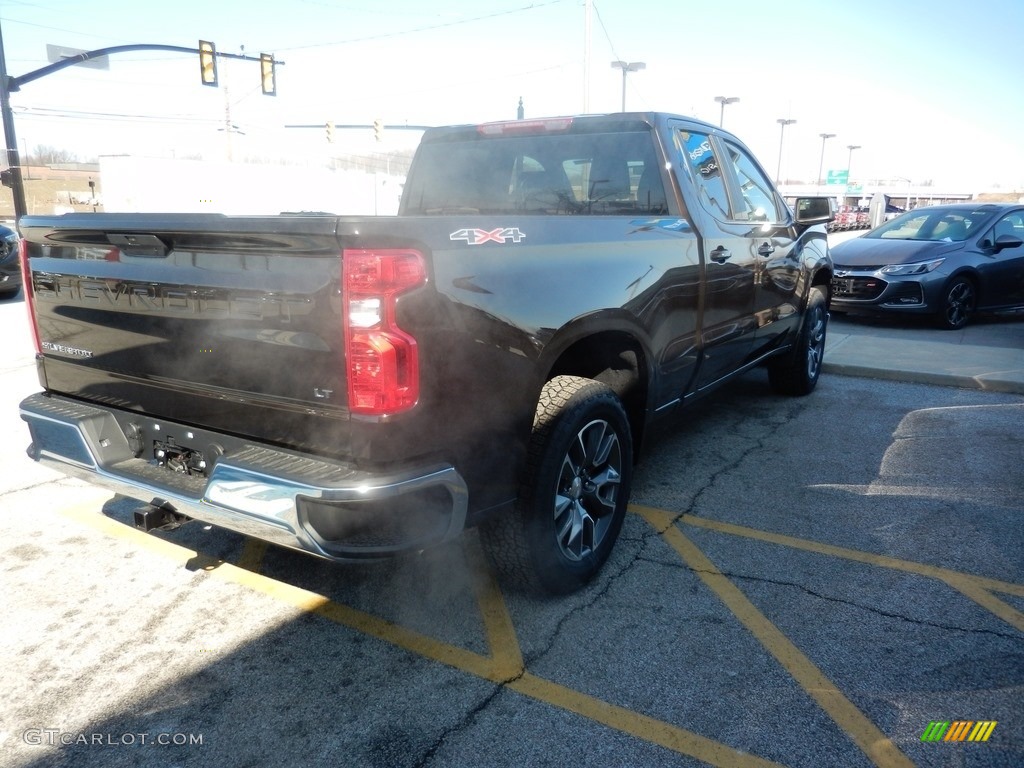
x,y
918,268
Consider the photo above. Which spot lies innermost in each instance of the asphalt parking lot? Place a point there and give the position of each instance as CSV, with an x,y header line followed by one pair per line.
x,y
805,582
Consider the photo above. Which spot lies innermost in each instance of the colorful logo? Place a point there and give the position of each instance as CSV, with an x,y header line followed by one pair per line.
x,y
959,730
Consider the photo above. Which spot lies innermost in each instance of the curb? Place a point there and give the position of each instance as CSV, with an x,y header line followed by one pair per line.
x,y
992,369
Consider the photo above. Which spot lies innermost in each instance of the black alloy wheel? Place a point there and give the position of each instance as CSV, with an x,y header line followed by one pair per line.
x,y
959,300
573,497
797,372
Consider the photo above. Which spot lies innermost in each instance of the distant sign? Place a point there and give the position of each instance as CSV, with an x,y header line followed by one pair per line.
x,y
55,53
838,177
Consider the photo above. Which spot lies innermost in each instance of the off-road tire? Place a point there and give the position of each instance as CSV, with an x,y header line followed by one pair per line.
x,y
796,372
573,496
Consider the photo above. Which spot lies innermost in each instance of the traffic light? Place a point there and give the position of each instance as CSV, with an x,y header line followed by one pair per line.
x,y
268,78
330,131
378,130
208,63
7,177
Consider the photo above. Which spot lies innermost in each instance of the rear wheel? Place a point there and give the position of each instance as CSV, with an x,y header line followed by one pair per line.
x,y
572,501
959,300
797,372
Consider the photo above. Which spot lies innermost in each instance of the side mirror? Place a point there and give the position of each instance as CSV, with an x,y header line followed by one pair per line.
x,y
814,210
1007,241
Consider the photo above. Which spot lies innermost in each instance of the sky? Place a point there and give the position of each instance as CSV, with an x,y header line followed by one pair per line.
x,y
928,90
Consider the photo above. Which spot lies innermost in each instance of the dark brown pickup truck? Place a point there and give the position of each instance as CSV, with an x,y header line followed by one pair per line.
x,y
494,355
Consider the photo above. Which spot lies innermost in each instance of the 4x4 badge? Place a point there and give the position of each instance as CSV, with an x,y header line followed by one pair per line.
x,y
480,236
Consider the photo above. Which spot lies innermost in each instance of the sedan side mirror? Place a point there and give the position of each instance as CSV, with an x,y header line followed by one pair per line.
x,y
1007,241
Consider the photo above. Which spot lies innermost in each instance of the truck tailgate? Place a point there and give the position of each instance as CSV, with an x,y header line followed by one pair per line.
x,y
233,322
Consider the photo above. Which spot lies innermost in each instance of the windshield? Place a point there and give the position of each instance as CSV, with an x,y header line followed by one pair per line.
x,y
941,224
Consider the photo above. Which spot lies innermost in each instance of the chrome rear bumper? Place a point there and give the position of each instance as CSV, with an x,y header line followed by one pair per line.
x,y
327,508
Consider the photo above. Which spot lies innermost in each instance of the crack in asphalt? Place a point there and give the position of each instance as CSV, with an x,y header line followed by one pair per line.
x,y
759,443
874,609
467,719
842,601
20,489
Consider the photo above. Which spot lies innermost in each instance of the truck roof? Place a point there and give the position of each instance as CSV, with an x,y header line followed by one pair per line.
x,y
616,121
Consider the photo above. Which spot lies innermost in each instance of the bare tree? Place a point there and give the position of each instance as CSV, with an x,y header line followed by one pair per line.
x,y
46,155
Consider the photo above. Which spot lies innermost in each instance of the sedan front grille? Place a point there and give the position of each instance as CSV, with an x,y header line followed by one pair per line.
x,y
863,288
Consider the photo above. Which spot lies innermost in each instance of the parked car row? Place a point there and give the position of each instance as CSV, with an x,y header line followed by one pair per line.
x,y
850,217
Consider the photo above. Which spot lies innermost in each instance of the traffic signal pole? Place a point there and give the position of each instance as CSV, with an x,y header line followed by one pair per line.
x,y
9,85
13,159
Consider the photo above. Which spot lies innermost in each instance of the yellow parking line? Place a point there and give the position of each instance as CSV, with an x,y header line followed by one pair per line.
x,y
504,667
297,597
508,658
498,626
88,514
643,727
875,744
971,589
252,555
869,558
977,588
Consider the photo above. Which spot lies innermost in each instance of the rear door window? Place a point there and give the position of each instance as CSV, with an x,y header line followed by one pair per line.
x,y
706,170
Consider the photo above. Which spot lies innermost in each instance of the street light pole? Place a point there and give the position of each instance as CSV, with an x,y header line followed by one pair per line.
x,y
723,100
783,122
631,66
824,137
849,160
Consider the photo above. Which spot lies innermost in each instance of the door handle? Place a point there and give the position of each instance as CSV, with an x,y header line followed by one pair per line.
x,y
766,250
720,255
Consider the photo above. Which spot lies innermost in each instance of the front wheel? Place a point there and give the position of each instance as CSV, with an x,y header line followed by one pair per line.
x,y
959,300
796,373
573,497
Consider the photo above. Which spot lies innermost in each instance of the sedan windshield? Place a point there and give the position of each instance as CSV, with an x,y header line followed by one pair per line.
x,y
951,226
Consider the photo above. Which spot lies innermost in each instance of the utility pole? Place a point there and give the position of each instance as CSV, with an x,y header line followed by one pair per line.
x,y
13,160
588,6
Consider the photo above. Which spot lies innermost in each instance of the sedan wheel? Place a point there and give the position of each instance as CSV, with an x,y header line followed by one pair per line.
x,y
958,304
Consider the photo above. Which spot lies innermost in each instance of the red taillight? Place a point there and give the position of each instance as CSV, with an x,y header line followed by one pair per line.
x,y
382,360
30,297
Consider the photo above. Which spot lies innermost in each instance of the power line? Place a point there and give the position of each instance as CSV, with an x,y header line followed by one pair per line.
x,y
47,112
75,32
444,25
605,30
